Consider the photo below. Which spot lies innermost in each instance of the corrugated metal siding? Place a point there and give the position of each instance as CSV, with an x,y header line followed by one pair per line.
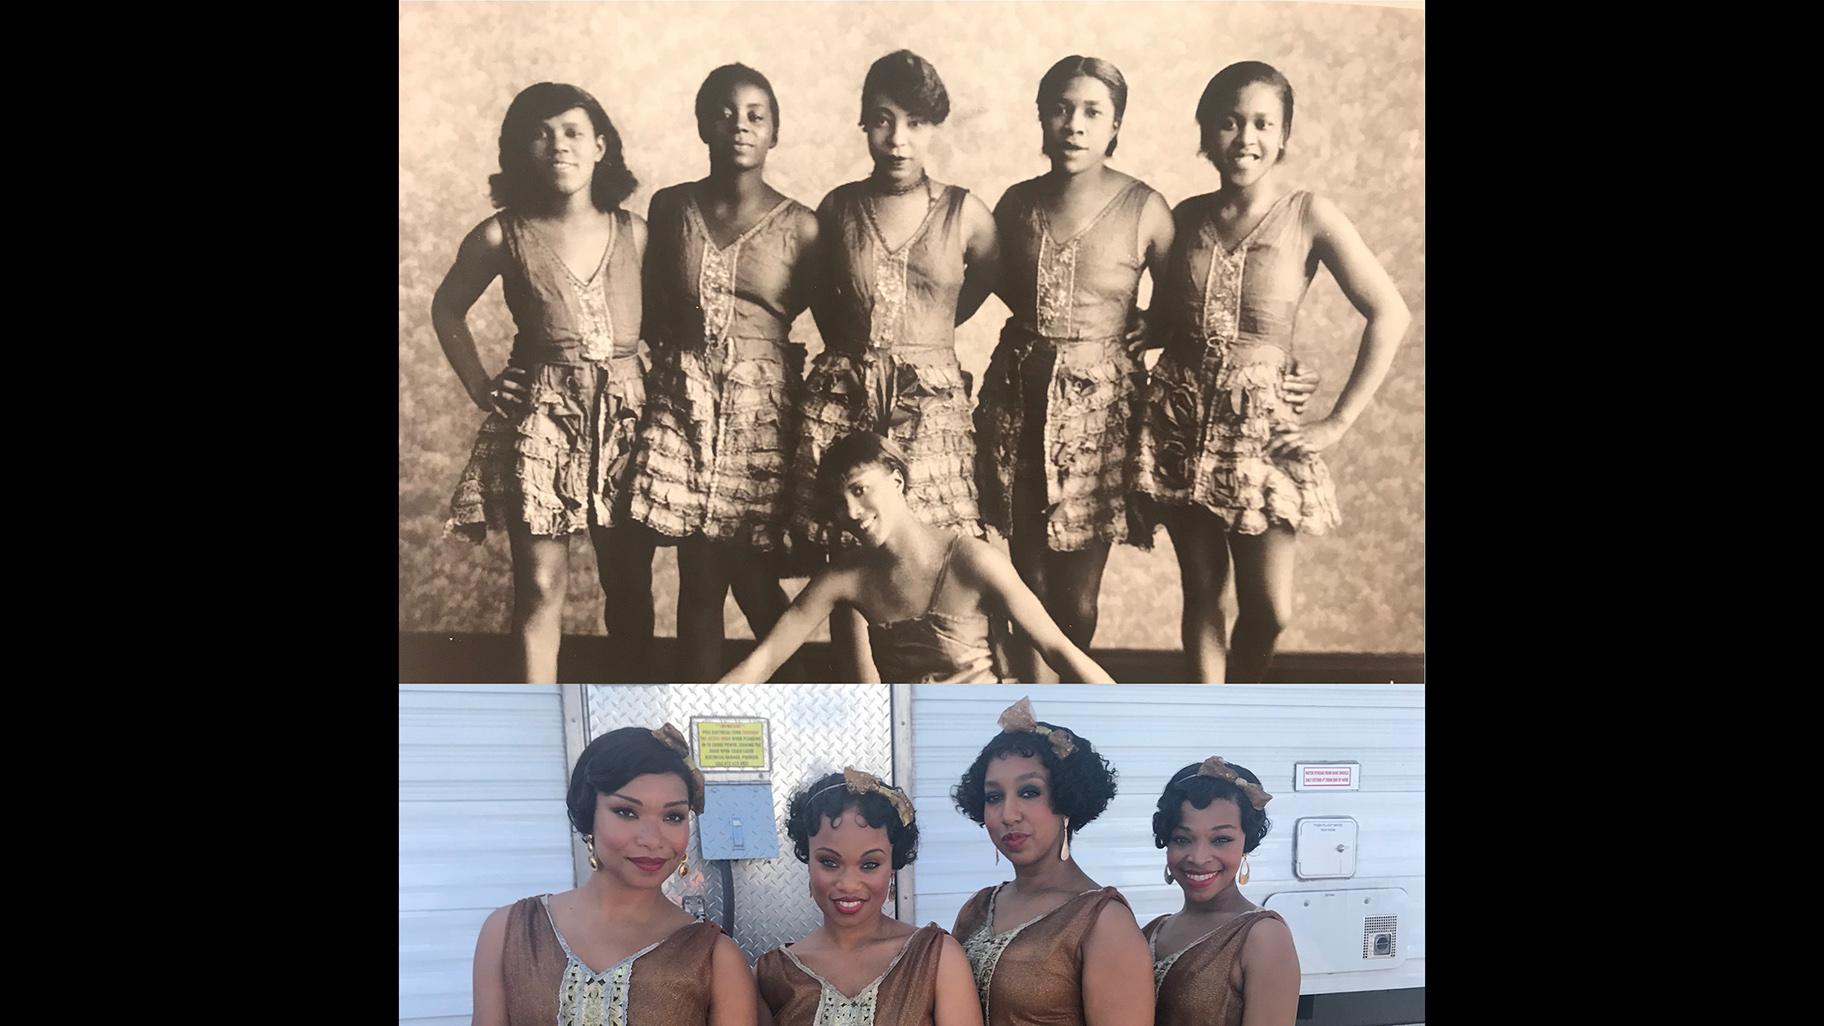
x,y
482,773
1149,732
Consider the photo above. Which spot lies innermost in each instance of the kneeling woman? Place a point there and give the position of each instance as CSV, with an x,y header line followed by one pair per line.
x,y
1050,946
926,593
862,968
631,796
1220,960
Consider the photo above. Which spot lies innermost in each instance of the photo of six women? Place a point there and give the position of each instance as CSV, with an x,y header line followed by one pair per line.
x,y
653,395
1049,946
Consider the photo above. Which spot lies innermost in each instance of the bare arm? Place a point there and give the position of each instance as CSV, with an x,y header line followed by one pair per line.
x,y
490,995
1117,971
812,606
957,1002
1156,233
479,261
823,267
1362,278
733,998
652,297
981,258
849,626
997,579
1269,976
807,270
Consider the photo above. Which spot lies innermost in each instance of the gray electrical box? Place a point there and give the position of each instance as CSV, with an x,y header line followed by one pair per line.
x,y
737,822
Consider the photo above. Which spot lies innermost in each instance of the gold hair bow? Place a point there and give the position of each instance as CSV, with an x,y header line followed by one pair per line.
x,y
862,782
1018,718
672,738
1215,767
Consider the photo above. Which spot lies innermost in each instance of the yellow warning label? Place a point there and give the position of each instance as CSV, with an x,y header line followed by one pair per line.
x,y
731,744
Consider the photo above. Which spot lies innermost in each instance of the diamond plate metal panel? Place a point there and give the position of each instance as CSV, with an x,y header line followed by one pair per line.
x,y
816,729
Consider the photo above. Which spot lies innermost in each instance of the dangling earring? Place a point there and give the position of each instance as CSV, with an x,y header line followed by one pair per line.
x,y
997,856
683,868
1242,877
1168,875
589,843
1064,852
893,887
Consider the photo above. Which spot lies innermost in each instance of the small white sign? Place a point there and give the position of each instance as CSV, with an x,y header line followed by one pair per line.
x,y
1327,776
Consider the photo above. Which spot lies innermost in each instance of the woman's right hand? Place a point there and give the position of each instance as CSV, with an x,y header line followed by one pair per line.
x,y
509,394
1139,337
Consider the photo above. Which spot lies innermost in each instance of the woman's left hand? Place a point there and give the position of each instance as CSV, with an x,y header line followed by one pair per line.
x,y
1306,439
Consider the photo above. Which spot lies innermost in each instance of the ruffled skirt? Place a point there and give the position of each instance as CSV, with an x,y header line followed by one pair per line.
x,y
1209,413
715,446
562,465
915,396
1062,417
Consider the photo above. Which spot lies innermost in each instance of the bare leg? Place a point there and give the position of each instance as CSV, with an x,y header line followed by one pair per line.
x,y
540,575
702,590
623,563
854,654
1026,547
761,599
1198,536
1075,582
1263,596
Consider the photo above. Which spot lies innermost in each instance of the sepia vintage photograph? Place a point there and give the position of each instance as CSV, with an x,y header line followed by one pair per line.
x,y
912,342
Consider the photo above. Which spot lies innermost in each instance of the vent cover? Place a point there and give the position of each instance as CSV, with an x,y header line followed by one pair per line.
x,y
1380,936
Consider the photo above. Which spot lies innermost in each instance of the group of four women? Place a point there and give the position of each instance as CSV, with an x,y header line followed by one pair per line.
x,y
719,445
1050,946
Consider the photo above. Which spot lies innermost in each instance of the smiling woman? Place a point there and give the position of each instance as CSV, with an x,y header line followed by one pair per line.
x,y
861,968
928,596
536,961
549,459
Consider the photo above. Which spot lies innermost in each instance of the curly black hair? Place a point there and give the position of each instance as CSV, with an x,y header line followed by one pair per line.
x,y
1081,785
615,758
516,186
910,81
826,798
1187,786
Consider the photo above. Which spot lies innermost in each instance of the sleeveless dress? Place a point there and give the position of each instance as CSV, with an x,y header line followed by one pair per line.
x,y
562,466
905,994
663,984
1195,986
715,445
935,647
1060,395
1032,974
891,364
1216,394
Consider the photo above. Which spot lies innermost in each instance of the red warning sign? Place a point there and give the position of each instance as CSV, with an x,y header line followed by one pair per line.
x,y
1326,776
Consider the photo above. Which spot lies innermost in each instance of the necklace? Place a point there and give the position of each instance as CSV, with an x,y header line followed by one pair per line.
x,y
876,185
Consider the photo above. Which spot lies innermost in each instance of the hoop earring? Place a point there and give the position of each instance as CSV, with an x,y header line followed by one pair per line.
x,y
1064,852
589,843
1242,877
